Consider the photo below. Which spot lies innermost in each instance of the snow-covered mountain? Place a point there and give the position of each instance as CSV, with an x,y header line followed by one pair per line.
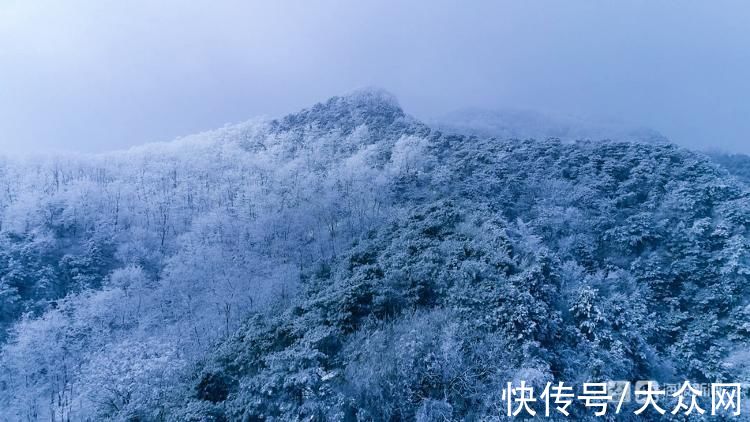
x,y
348,262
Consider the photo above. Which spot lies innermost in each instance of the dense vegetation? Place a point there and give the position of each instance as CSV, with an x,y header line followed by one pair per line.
x,y
348,263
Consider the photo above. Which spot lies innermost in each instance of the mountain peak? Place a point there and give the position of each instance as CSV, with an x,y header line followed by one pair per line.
x,y
373,107
371,97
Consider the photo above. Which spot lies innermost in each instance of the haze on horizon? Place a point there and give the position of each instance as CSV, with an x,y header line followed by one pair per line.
x,y
100,75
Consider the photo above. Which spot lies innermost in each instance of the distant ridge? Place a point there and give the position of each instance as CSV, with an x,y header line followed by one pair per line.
x,y
528,124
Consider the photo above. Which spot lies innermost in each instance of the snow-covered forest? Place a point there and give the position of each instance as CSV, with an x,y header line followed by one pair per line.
x,y
348,262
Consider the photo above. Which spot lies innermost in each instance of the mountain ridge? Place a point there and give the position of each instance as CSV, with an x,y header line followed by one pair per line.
x,y
527,124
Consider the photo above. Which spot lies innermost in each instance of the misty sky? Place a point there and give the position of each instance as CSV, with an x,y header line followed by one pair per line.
x,y
100,75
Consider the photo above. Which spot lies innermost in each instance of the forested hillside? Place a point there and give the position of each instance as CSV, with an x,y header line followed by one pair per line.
x,y
347,262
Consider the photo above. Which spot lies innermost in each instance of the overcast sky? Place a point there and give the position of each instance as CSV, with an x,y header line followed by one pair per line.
x,y
99,75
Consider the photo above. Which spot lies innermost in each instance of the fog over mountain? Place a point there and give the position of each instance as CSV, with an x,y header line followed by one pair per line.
x,y
527,124
92,76
205,217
